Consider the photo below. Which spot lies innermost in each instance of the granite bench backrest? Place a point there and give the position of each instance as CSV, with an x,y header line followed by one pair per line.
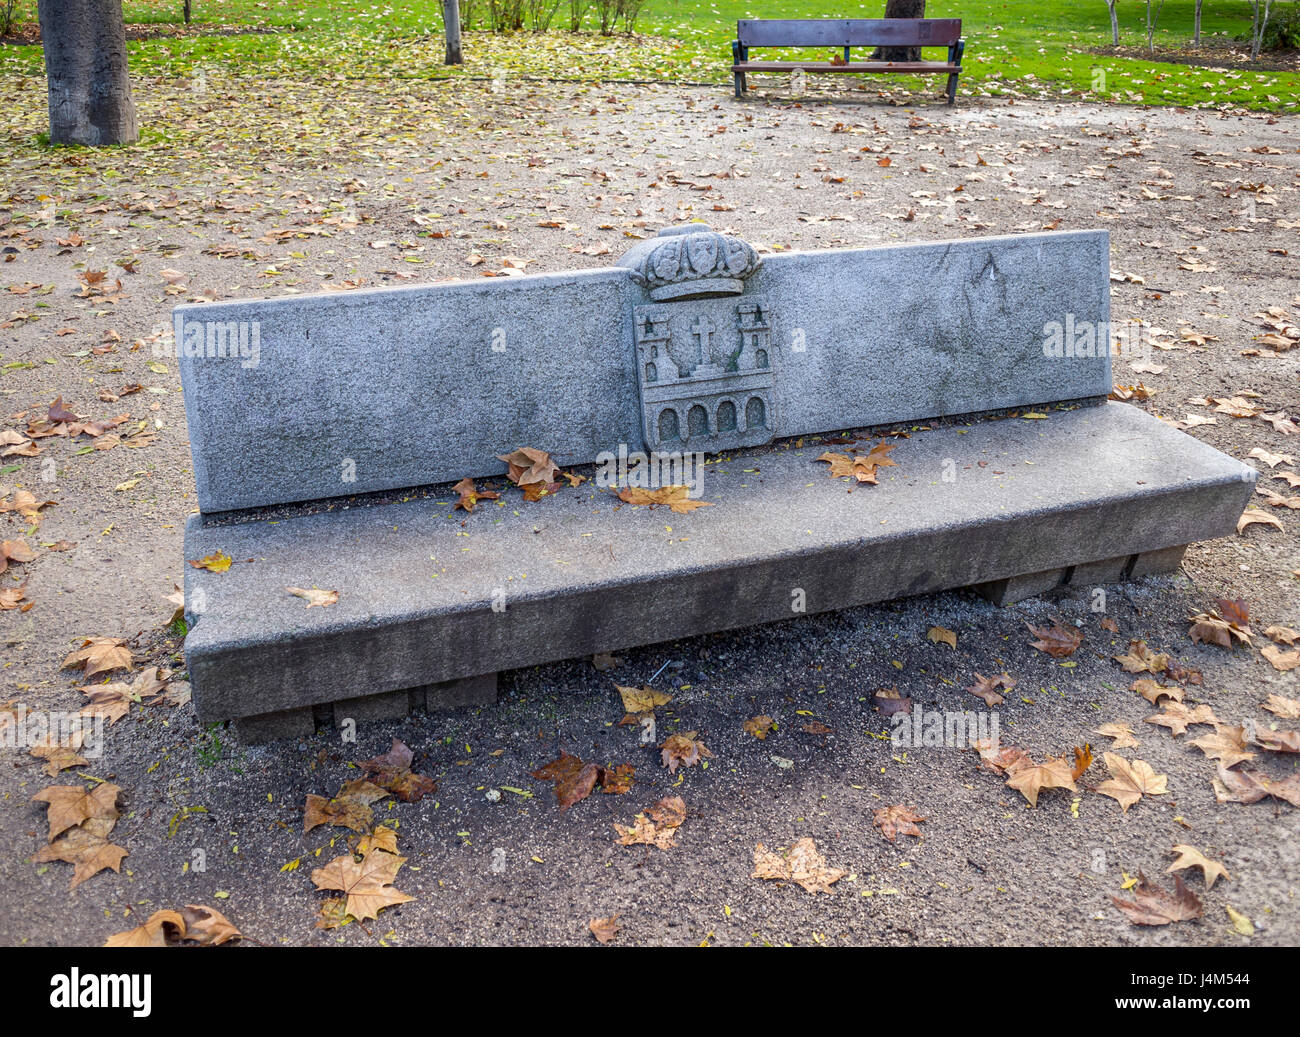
x,y
693,343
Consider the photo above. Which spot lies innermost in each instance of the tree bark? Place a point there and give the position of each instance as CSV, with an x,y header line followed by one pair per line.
x,y
1197,37
451,24
85,67
1114,22
901,9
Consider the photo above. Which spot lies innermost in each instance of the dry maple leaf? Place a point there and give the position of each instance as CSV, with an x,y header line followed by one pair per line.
x,y
942,635
1057,641
528,466
99,655
469,496
349,809
676,498
1140,659
392,771
151,933
368,882
1251,516
1029,778
889,702
314,595
1213,629
1280,660
857,468
1154,906
683,750
617,780
112,700
1000,759
217,562
1191,857
574,780
1121,733
1177,717
208,926
604,929
1228,744
1129,781
1153,691
896,820
759,726
804,866
1286,708
70,805
1278,741
642,700
988,688
1231,786
656,826
87,848
379,838
1282,635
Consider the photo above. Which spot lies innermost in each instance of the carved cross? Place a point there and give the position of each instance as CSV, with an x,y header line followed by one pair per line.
x,y
703,329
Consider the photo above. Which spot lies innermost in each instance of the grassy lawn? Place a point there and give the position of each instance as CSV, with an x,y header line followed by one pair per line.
x,y
1026,48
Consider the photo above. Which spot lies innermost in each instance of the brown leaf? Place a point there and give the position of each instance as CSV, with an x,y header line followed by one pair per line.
x,y
1228,744
70,805
1280,660
642,700
574,780
895,820
1191,857
683,750
987,688
1231,786
656,826
803,866
151,933
760,726
889,702
1140,659
1130,781
1154,691
1121,733
1286,708
604,929
1177,717
392,771
529,466
100,655
676,498
1029,778
469,496
366,882
87,848
349,809
1154,906
1057,641
314,596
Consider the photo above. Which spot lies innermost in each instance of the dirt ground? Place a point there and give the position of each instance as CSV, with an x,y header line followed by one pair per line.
x,y
1202,211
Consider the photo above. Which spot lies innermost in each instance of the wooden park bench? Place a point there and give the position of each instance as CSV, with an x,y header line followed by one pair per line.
x,y
333,575
849,33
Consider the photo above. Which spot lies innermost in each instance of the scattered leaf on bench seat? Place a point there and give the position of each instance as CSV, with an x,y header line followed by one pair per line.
x,y
988,688
217,562
529,466
314,595
1154,906
683,750
674,497
100,655
1057,641
759,726
469,496
1131,780
803,866
896,820
1140,659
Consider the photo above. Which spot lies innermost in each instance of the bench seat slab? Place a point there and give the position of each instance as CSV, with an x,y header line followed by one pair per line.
x,y
428,595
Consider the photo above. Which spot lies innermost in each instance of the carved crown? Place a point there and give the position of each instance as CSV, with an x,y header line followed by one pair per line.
x,y
684,262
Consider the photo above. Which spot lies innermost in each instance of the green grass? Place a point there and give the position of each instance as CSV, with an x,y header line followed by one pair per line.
x,y
1024,48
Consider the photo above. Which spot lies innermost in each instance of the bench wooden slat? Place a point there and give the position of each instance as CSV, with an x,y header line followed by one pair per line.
x,y
853,32
852,66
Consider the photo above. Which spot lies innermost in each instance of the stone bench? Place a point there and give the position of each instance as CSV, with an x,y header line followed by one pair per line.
x,y
324,438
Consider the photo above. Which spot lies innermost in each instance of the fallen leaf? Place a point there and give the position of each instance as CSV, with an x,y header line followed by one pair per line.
x,y
803,866
314,596
896,820
1154,906
1057,641
1131,780
604,929
1191,857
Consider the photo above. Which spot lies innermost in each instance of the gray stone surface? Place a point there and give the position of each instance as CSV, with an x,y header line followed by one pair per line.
x,y
1154,563
1012,589
364,709
579,572
1087,575
272,727
469,691
353,392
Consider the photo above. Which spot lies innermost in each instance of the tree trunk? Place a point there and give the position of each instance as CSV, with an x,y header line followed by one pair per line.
x,y
85,66
1197,37
1114,22
451,23
901,9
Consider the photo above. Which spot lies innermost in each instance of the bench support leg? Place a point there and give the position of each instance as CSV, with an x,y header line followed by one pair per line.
x,y
952,88
272,727
1082,578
